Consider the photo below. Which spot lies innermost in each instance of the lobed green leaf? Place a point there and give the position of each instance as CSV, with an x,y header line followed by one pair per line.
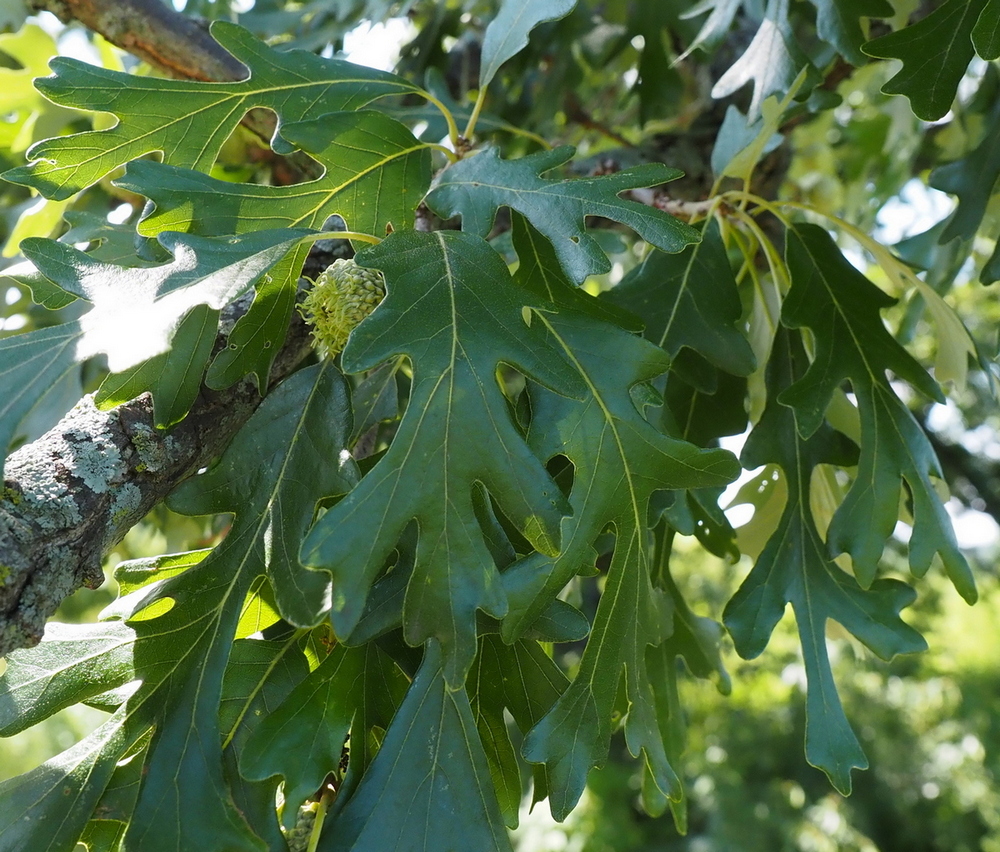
x,y
474,188
187,121
841,308
453,311
935,53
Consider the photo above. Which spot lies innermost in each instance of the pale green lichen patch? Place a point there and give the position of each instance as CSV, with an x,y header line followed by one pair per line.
x,y
126,501
78,452
344,294
45,498
97,463
149,447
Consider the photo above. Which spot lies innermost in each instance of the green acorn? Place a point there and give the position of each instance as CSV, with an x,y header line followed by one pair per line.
x,y
298,837
344,294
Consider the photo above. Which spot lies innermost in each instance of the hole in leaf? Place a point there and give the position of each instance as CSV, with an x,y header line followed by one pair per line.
x,y
561,469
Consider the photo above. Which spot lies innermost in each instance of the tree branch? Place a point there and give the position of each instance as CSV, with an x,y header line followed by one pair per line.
x,y
176,45
71,496
152,31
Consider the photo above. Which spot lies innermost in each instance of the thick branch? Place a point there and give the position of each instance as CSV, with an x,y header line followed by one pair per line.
x,y
152,31
174,44
71,496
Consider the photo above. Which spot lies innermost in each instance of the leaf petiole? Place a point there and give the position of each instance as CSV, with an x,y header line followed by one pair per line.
x,y
478,108
444,149
327,799
448,117
341,235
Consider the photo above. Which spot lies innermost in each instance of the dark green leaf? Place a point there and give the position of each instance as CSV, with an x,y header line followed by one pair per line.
x,y
991,271
619,459
795,568
374,400
690,299
486,697
475,187
841,307
428,788
935,52
986,32
507,33
382,689
696,640
259,677
303,738
523,679
837,21
258,334
179,654
540,271
452,309
972,179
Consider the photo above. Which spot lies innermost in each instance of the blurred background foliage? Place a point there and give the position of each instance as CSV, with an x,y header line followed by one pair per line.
x,y
929,724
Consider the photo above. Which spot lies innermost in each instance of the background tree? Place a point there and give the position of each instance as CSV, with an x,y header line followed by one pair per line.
x,y
477,509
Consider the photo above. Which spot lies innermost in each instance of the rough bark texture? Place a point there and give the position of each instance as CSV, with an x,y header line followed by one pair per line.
x,y
178,46
150,30
71,496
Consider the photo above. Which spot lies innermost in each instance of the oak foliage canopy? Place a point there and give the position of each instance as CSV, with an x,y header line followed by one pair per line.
x,y
442,560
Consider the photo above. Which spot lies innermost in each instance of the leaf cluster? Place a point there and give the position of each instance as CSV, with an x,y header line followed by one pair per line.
x,y
455,537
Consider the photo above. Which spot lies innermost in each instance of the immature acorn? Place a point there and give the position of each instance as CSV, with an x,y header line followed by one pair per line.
x,y
343,295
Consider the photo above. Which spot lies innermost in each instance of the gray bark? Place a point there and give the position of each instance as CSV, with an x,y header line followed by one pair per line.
x,y
70,496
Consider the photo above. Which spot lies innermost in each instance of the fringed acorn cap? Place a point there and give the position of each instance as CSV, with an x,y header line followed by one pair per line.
x,y
344,294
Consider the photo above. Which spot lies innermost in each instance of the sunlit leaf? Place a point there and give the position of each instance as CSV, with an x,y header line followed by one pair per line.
x,y
375,173
136,314
188,121
771,62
